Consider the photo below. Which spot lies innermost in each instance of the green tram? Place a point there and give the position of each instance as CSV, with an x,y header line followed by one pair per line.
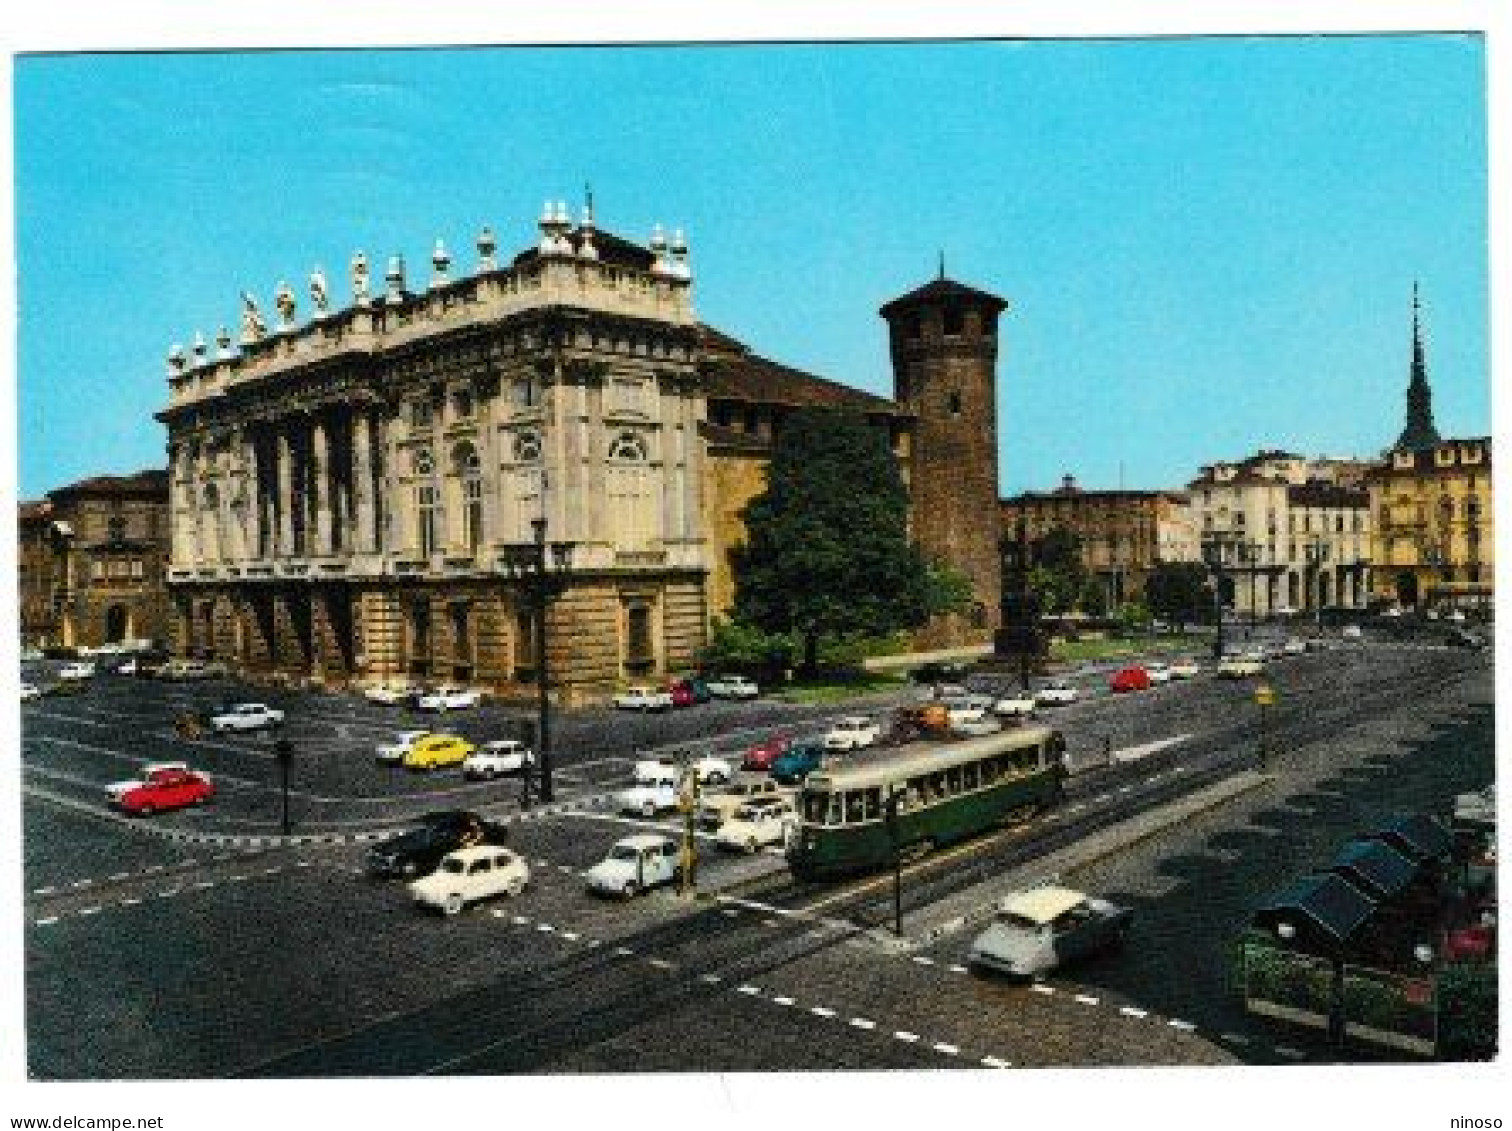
x,y
946,792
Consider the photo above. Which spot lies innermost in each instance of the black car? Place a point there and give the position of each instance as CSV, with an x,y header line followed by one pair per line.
x,y
938,673
417,851
1464,638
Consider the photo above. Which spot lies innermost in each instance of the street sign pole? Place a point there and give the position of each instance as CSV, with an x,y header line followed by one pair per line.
x,y
283,750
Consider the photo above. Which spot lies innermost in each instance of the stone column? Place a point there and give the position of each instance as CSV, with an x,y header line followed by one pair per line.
x,y
252,478
392,504
364,535
283,505
320,499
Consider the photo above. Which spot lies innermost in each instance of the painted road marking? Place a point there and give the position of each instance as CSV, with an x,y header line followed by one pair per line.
x,y
958,969
711,979
521,920
904,1035
47,922
948,1050
863,1023
546,927
821,1011
748,989
1041,988
662,963
1185,1026
130,901
783,1000
623,951
994,1062
923,960
1086,999
571,936
88,911
1130,1011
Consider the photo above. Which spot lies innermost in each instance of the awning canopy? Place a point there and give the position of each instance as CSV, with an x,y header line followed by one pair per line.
x,y
1375,867
1323,904
1417,835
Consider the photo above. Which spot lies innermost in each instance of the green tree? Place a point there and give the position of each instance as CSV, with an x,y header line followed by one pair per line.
x,y
1132,617
827,551
745,648
1177,592
1094,598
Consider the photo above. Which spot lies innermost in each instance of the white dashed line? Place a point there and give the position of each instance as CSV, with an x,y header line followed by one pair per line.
x,y
310,864
44,891
863,1023
119,875
623,951
958,969
783,1000
81,884
1077,808
130,901
748,989
821,1011
1130,1011
994,1062
1184,1026
571,936
1087,999
154,868
1291,1053
1041,988
521,920
170,893
904,1035
545,927
1100,799
1234,1038
948,1050
711,979
201,885
271,871
88,911
662,963
1126,789
729,911
923,960
47,922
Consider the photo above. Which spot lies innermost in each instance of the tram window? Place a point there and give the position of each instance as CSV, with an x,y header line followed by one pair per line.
x,y
953,780
835,816
936,786
915,796
873,803
855,807
990,771
814,806
969,775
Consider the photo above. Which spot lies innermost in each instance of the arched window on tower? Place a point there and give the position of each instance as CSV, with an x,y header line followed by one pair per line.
x,y
629,489
426,502
953,321
955,404
469,473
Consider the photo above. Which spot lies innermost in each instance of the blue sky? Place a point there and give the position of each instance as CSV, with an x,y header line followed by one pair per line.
x,y
1209,245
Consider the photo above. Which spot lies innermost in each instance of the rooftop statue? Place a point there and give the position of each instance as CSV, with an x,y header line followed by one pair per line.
x,y
319,296
361,292
283,299
253,326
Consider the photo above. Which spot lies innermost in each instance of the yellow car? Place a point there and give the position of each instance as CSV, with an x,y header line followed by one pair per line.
x,y
435,750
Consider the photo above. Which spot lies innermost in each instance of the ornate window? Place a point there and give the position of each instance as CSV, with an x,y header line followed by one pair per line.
x,y
524,393
470,468
421,412
117,527
462,403
426,506
423,462
527,447
628,448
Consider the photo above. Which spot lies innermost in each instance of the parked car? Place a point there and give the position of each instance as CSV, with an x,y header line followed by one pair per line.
x,y
649,795
1239,667
469,875
246,716
937,672
1016,705
163,790
1133,678
682,694
636,864
853,733
116,790
643,699
181,671
715,807
764,753
82,669
1036,931
710,770
1158,672
698,687
970,709
437,750
387,694
1294,646
976,728
1464,638
448,699
1185,668
1351,632
30,691
732,687
797,762
757,824
417,851
1056,693
393,753
496,758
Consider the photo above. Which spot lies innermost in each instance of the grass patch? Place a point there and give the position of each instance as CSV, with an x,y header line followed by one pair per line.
x,y
1079,651
832,687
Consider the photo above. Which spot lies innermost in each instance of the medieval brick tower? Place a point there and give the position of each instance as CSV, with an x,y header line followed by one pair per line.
x,y
944,353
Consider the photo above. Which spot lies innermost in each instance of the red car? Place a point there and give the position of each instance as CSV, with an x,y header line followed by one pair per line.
x,y
167,789
1130,679
682,694
764,753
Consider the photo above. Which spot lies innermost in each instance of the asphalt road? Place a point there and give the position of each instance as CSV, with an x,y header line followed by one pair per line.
x,y
148,957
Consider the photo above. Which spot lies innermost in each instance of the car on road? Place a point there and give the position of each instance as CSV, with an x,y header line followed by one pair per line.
x,y
637,864
162,790
1056,693
799,760
1464,638
1034,932
1294,646
176,671
643,699
934,672
768,750
1158,672
694,686
417,851
1132,678
966,709
30,691
651,794
710,770
853,733
1016,705
469,875
682,694
82,669
448,699
388,694
976,727
437,750
1351,632
732,687
116,790
246,716
1240,667
496,758
757,824
392,753
1185,668
715,807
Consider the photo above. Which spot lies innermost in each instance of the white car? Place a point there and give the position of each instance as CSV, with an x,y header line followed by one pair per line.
x,y
732,687
116,790
1158,672
247,716
636,864
1056,694
756,824
853,733
976,728
501,756
643,699
649,795
1016,705
30,691
1186,669
1239,667
77,671
716,807
448,699
961,711
1294,646
710,771
386,695
393,753
1351,632
468,875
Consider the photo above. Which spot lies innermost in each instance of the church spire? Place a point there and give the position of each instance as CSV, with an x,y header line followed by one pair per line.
x,y
1420,432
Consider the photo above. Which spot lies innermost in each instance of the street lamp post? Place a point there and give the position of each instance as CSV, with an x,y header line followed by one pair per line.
x,y
541,572
1213,556
1317,554
890,814
1265,697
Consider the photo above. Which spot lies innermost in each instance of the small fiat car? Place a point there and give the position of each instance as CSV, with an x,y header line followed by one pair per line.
x,y
636,864
469,875
437,750
1036,931
757,824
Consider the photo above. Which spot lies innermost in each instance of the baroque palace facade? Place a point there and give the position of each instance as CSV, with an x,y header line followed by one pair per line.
x,y
344,489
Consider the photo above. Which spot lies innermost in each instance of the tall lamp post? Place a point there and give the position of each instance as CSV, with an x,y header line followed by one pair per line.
x,y
1213,554
541,573
1317,554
